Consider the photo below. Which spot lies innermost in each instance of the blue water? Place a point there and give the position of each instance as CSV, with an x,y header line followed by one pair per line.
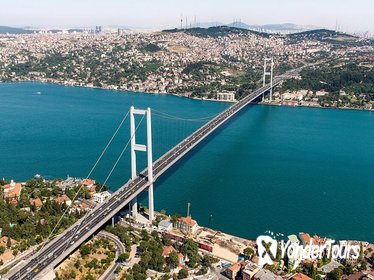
x,y
271,168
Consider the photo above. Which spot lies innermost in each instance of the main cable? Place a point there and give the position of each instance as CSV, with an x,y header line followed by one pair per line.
x,y
168,116
107,178
89,174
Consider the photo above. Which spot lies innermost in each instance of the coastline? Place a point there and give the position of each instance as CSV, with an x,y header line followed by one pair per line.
x,y
66,84
115,89
316,107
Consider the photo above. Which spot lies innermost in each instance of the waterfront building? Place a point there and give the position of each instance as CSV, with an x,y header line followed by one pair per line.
x,y
226,96
100,197
305,238
187,225
12,190
90,186
88,183
165,226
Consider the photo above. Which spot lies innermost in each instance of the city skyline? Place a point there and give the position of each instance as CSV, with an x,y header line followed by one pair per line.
x,y
146,14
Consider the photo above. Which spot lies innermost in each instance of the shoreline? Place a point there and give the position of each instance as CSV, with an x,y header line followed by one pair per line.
x,y
316,107
114,89
181,96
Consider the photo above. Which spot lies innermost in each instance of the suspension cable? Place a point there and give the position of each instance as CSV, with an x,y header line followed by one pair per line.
x,y
107,178
89,174
168,116
123,151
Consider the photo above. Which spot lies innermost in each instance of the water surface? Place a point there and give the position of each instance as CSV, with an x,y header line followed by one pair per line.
x,y
270,168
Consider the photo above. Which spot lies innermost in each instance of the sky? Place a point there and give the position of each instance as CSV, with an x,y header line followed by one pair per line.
x,y
352,15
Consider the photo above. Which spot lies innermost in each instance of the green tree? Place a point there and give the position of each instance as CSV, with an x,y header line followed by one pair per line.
x,y
348,269
173,260
166,240
191,250
248,253
89,277
174,219
182,274
123,257
145,235
336,274
8,243
203,270
85,250
77,264
208,260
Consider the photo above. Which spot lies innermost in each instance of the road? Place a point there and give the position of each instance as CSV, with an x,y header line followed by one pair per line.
x,y
109,273
60,247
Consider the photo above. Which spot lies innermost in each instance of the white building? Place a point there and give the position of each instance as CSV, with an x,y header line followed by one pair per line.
x,y
187,225
226,96
165,226
100,197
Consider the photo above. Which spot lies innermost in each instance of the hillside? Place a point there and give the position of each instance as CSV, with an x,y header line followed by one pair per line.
x,y
329,36
215,31
14,30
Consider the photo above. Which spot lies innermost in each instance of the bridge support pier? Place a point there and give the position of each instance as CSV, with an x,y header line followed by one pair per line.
x,y
266,73
134,207
142,148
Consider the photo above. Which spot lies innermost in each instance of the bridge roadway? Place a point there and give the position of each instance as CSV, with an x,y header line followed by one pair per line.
x,y
64,244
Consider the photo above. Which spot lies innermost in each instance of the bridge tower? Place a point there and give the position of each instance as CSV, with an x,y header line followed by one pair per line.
x,y
266,73
142,148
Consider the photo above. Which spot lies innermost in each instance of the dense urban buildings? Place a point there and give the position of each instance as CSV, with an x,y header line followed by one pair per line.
x,y
197,62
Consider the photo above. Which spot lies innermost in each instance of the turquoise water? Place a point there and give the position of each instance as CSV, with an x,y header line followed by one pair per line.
x,y
271,168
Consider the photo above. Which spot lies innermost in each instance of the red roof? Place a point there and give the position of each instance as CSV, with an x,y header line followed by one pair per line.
x,y
4,240
300,276
12,190
88,182
188,221
62,199
306,237
235,267
36,202
167,250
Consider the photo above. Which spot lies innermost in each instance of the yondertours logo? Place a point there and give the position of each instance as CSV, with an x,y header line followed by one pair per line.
x,y
267,248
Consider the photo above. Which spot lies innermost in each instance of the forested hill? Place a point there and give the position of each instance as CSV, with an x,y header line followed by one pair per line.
x,y
14,30
350,83
329,36
215,31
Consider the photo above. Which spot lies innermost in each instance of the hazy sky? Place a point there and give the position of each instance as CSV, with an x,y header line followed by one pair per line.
x,y
353,15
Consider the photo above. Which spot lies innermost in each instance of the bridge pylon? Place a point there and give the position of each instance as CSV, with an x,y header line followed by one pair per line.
x,y
142,148
266,73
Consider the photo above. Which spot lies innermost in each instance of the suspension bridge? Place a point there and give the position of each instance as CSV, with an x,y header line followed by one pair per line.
x,y
42,263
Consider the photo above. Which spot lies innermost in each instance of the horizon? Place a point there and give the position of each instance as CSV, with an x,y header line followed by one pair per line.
x,y
350,17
